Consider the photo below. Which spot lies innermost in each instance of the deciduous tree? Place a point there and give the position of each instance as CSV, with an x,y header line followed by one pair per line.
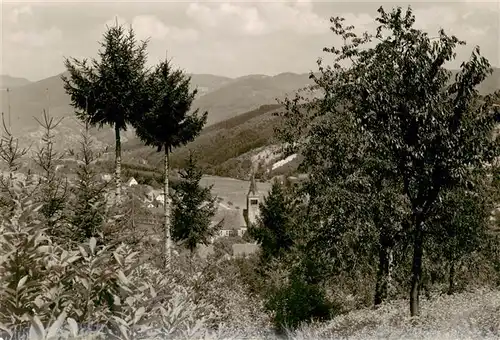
x,y
436,130
423,131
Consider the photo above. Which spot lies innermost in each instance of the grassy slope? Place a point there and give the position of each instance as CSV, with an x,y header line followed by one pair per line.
x,y
471,315
468,315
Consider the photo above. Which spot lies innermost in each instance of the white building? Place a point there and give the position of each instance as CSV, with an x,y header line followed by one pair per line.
x,y
131,182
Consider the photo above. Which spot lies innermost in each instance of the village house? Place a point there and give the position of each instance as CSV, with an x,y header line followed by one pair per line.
x,y
154,197
230,222
160,198
132,181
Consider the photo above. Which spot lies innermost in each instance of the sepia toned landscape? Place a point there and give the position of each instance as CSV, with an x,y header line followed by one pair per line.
x,y
250,170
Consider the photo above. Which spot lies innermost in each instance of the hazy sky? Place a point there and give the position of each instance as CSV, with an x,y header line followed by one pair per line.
x,y
230,38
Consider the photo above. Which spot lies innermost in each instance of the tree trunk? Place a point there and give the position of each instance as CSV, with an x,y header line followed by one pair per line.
x,y
191,255
389,271
382,275
118,163
418,249
451,286
134,231
166,211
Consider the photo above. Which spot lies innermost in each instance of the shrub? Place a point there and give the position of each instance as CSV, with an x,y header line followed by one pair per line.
x,y
296,302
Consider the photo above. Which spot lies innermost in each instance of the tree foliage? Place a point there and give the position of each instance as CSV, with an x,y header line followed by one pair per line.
x,y
89,208
168,122
411,126
110,91
193,208
274,231
53,187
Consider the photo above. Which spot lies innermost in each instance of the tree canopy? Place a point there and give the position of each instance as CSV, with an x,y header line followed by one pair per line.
x,y
407,122
112,90
168,122
109,91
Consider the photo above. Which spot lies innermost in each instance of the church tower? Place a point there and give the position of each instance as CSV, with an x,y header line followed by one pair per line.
x,y
253,200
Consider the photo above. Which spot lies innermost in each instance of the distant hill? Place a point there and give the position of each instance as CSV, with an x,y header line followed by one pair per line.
x,y
223,149
227,148
222,97
208,82
11,82
241,119
247,93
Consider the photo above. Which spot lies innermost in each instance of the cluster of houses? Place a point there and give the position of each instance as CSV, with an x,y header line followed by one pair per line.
x,y
231,221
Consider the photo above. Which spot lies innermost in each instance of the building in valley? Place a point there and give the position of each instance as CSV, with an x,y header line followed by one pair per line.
x,y
252,211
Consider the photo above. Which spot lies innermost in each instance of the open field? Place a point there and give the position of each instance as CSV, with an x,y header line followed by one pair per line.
x,y
233,190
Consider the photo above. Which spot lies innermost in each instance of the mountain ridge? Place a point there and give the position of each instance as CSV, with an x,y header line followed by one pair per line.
x,y
224,98
7,81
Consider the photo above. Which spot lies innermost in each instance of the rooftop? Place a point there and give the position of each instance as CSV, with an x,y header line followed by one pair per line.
x,y
232,219
253,191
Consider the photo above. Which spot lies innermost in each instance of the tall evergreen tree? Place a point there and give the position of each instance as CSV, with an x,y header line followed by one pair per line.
x,y
275,226
193,208
110,91
169,124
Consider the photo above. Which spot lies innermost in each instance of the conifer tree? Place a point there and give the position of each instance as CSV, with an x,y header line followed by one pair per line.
x,y
193,208
168,124
274,229
10,154
110,91
54,188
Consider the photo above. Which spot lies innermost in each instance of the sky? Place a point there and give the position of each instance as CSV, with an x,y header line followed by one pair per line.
x,y
228,38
